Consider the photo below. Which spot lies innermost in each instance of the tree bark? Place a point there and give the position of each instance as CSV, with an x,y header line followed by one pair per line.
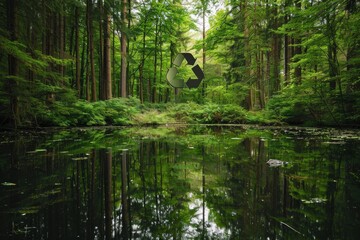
x,y
153,97
276,55
83,66
101,52
130,87
77,52
332,50
259,77
161,65
249,97
107,56
286,50
91,49
13,67
123,50
142,63
297,49
61,44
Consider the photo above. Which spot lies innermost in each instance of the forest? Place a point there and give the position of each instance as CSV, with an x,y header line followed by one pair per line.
x,y
104,62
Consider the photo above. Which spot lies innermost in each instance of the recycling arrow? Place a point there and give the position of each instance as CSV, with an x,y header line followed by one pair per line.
x,y
179,83
180,57
170,76
194,83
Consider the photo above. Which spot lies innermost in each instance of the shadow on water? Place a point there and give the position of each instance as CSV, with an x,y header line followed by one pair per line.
x,y
184,183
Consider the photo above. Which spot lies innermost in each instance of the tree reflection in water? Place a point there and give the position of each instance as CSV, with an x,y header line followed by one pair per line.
x,y
192,183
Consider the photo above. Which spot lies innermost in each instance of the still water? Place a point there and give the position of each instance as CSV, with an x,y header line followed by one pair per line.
x,y
180,183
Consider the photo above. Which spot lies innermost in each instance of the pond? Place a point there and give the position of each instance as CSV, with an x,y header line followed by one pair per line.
x,y
193,182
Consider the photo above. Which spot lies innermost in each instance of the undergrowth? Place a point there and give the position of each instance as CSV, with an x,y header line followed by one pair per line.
x,y
124,112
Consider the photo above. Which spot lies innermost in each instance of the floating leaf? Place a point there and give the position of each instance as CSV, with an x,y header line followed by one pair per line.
x,y
31,152
314,200
275,163
335,143
8,184
40,150
79,158
29,210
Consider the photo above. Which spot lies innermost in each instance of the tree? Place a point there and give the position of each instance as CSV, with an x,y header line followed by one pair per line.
x,y
123,49
91,48
13,67
107,84
77,52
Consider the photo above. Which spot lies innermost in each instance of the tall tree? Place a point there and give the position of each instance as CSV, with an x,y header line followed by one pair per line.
x,y
101,51
297,48
77,52
123,49
13,67
91,48
153,90
286,46
107,84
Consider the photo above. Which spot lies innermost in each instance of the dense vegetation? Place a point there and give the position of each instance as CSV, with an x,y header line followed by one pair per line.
x,y
85,62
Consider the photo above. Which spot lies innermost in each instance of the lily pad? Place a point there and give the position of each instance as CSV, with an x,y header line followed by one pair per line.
x,y
80,158
276,163
29,210
314,200
9,184
40,150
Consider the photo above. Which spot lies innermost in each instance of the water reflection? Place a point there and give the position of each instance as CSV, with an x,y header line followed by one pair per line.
x,y
181,184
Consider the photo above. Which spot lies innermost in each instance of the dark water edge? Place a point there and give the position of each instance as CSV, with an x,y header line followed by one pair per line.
x,y
183,182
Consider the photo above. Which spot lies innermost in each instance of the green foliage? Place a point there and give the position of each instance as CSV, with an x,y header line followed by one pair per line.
x,y
82,113
289,108
245,63
208,113
311,106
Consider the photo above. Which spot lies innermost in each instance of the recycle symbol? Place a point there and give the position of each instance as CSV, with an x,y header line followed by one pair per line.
x,y
179,83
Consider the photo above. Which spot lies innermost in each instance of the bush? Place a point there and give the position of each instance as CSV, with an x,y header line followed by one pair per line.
x,y
82,113
207,113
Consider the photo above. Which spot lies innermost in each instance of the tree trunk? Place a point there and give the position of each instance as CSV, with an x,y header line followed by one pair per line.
x,y
286,50
259,78
123,50
276,55
13,67
130,87
332,50
153,97
249,97
77,52
107,56
161,66
101,53
61,44
83,63
91,49
87,82
142,63
297,50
